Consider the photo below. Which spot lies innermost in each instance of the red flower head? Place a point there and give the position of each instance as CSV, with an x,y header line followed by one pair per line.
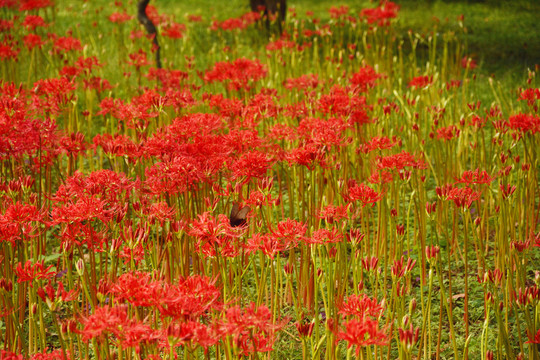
x,y
239,74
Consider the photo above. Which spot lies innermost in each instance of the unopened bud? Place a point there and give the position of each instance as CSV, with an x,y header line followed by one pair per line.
x,y
412,306
79,265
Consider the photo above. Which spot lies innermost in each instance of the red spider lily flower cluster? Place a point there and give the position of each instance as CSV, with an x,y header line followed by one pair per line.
x,y
239,74
362,329
382,14
475,177
420,82
530,95
525,123
463,197
239,23
362,193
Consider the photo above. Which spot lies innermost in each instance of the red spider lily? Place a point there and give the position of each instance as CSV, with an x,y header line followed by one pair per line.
x,y
530,95
239,74
528,296
378,143
87,64
64,44
115,321
253,164
31,22
119,145
355,237
444,191
477,122
193,297
83,209
169,79
400,161
535,339
97,83
105,184
192,333
521,246
308,155
342,103
31,272
361,192
399,270
463,198
258,199
338,12
69,72
20,222
365,79
305,329
138,59
448,133
8,355
110,106
382,14
23,134
333,213
133,254
432,252
468,63
154,15
53,297
361,306
231,107
280,44
120,18
475,177
453,84
174,31
535,239
251,329
8,51
507,190
323,132
72,144
194,18
420,82
304,82
408,337
494,276
6,25
76,234
52,95
21,214
381,177
212,234
363,332
139,289
57,354
525,123
239,23
324,236
290,232
176,176
25,5
161,212
269,244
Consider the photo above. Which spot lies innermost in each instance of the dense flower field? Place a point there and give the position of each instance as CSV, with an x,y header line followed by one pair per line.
x,y
338,191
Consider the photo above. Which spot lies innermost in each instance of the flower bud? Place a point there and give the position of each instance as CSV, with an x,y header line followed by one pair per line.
x,y
79,265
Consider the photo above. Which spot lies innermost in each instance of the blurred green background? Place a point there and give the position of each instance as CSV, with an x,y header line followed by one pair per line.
x,y
502,36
